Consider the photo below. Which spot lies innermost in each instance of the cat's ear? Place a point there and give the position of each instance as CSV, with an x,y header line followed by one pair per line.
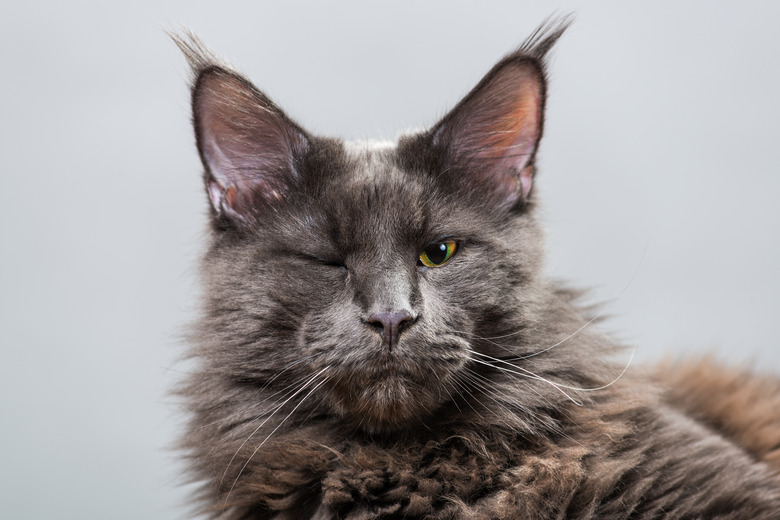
x,y
247,144
489,140
491,137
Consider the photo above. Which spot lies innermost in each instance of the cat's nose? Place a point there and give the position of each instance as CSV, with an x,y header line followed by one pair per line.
x,y
390,323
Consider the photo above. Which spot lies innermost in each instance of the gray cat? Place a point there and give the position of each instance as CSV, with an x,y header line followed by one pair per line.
x,y
378,340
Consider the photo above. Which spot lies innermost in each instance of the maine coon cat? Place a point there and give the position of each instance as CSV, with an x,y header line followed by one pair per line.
x,y
378,341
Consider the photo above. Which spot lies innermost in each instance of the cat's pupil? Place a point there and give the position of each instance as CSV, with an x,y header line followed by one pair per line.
x,y
438,253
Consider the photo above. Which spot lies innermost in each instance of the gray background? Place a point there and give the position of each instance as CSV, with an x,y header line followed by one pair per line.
x,y
658,174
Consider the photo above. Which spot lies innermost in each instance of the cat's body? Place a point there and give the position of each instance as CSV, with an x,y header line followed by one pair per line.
x,y
378,340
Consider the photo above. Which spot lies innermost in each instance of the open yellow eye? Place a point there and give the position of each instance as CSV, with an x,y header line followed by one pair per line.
x,y
439,254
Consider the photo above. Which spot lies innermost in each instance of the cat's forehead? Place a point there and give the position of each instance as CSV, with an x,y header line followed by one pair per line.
x,y
370,172
371,161
369,196
372,194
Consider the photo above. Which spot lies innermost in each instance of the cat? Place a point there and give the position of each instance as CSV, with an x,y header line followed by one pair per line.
x,y
378,339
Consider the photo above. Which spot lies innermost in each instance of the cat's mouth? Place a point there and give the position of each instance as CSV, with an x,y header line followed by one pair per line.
x,y
380,390
382,396
383,370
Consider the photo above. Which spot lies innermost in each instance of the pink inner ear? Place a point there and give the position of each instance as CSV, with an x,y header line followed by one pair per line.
x,y
246,142
215,194
498,130
514,126
526,180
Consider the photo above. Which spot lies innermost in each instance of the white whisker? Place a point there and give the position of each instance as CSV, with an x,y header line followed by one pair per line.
x,y
283,391
597,316
463,386
487,390
444,387
227,497
625,368
528,374
564,340
279,407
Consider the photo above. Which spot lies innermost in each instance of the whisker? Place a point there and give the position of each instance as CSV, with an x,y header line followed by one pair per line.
x,y
625,368
601,313
487,381
259,392
528,374
301,389
570,336
564,340
485,338
283,391
227,497
484,386
444,387
291,365
563,385
464,386
503,336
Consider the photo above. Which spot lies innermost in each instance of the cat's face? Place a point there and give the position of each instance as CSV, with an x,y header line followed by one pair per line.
x,y
363,275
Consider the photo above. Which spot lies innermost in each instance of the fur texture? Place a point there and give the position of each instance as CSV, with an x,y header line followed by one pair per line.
x,y
377,339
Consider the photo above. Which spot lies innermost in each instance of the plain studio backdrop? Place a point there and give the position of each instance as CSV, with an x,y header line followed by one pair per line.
x,y
658,179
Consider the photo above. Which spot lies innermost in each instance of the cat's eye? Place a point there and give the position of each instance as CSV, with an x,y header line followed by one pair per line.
x,y
439,254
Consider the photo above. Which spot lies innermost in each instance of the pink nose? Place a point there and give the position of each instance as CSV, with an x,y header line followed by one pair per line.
x,y
390,322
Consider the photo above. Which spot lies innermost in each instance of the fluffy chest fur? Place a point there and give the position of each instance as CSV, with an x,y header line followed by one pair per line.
x,y
624,456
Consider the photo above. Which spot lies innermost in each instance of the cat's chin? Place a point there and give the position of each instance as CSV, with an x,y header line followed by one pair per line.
x,y
384,401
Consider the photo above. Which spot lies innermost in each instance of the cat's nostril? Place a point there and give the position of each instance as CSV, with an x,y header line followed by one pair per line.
x,y
386,319
390,324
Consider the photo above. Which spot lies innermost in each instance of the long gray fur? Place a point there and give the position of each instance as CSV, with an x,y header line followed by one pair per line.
x,y
485,406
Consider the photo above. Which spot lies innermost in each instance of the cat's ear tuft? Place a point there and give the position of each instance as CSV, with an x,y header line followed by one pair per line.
x,y
248,146
489,140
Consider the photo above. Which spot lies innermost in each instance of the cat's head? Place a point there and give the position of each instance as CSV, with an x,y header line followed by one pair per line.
x,y
364,276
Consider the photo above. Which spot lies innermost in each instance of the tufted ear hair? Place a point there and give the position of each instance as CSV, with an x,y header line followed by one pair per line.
x,y
491,137
248,146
